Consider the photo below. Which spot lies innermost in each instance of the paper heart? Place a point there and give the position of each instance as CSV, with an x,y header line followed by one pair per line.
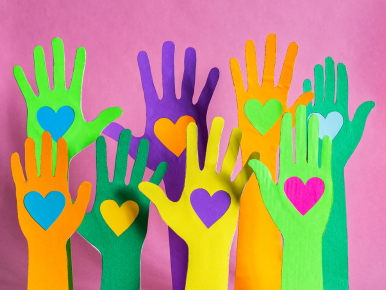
x,y
56,123
173,136
210,208
329,126
304,196
45,211
263,117
119,219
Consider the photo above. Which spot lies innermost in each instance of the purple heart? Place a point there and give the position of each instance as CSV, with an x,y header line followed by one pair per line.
x,y
210,208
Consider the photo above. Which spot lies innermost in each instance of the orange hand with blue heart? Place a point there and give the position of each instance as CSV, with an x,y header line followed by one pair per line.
x,y
47,216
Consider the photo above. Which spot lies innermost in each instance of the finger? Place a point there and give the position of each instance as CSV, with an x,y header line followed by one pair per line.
x,y
41,71
31,168
232,152
58,52
46,155
105,118
270,59
326,153
101,160
237,77
83,198
23,84
140,162
288,67
168,82
159,173
189,78
17,170
329,93
245,173
342,87
213,143
208,90
191,149
121,157
61,169
146,78
319,84
286,144
313,140
304,99
77,75
307,87
156,196
264,178
113,130
359,120
252,73
300,135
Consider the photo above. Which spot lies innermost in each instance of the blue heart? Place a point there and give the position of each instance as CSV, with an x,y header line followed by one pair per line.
x,y
56,123
329,126
45,211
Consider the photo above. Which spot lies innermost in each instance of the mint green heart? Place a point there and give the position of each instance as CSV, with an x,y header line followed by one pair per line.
x,y
263,117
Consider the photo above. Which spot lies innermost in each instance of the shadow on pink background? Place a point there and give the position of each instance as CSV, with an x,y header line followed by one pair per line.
x,y
351,32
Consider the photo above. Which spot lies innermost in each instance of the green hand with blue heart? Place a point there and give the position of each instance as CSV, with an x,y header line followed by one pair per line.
x,y
345,134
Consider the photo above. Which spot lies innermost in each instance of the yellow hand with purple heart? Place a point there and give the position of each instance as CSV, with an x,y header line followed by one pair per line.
x,y
47,216
206,214
300,203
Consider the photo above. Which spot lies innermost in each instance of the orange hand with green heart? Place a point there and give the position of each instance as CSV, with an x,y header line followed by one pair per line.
x,y
47,216
260,109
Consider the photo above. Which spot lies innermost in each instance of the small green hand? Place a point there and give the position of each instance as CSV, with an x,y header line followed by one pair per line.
x,y
302,232
335,245
121,255
81,133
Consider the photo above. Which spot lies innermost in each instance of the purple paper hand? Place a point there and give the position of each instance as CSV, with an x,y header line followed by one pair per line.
x,y
172,108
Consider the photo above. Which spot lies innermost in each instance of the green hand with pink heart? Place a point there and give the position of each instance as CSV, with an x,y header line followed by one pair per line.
x,y
300,203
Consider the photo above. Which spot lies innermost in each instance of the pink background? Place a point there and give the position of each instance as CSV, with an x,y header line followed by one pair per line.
x,y
349,31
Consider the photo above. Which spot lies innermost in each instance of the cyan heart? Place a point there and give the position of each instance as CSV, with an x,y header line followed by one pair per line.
x,y
45,211
56,123
329,126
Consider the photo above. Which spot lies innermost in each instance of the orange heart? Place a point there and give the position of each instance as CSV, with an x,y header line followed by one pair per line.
x,y
173,136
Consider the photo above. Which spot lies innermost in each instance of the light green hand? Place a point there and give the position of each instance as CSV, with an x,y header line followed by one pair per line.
x,y
302,234
335,245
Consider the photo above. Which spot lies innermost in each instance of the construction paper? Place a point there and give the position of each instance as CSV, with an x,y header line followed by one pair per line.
x,y
259,246
209,248
46,210
172,108
81,133
119,219
263,117
173,136
117,223
209,208
330,125
56,123
327,89
303,196
302,234
46,213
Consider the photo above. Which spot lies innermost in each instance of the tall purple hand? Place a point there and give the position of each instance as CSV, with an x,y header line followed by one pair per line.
x,y
172,108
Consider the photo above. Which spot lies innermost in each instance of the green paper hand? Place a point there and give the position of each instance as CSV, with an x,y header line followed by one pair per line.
x,y
335,247
119,233
302,234
81,133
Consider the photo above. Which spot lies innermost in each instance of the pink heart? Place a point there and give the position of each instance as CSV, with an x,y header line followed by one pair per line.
x,y
303,197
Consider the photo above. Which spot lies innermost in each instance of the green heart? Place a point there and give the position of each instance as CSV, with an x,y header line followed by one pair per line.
x,y
263,117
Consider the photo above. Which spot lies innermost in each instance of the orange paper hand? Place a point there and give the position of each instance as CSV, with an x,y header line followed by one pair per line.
x,y
260,110
47,216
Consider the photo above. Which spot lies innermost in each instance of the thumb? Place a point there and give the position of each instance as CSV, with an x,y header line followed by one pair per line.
x,y
359,120
105,118
82,199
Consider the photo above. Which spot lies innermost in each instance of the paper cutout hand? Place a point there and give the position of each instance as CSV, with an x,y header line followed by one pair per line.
x,y
260,109
347,136
119,233
78,133
302,234
47,266
175,110
208,237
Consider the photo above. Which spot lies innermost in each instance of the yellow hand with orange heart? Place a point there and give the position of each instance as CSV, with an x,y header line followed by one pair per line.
x,y
260,109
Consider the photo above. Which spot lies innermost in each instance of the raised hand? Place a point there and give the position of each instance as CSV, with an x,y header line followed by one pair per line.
x,y
260,110
345,134
47,216
300,203
117,224
206,214
166,121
